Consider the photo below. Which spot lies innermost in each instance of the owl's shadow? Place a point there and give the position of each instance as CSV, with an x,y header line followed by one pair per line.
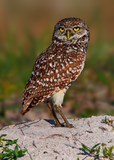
x,y
51,121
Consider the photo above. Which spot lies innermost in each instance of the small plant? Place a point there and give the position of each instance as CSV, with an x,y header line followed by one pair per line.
x,y
108,121
8,153
93,151
107,151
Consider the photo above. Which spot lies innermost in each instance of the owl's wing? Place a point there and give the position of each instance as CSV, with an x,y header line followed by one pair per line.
x,y
52,72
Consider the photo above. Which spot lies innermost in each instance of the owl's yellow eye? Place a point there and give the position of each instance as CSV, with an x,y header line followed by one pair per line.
x,y
61,29
76,29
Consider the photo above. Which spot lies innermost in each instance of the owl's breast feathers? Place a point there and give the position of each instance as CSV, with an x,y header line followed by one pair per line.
x,y
54,69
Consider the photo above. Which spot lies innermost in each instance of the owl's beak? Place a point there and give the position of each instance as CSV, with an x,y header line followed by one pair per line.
x,y
68,34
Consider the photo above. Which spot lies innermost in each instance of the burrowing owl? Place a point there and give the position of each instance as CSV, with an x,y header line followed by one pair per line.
x,y
57,67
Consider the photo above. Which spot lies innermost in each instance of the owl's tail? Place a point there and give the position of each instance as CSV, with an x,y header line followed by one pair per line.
x,y
28,105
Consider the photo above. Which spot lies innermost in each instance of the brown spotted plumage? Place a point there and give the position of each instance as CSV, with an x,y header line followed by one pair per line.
x,y
57,67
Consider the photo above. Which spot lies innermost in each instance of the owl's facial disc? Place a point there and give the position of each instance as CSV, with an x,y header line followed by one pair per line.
x,y
66,34
69,30
70,34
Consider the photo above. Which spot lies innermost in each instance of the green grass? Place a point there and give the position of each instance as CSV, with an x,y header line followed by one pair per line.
x,y
108,121
8,153
107,152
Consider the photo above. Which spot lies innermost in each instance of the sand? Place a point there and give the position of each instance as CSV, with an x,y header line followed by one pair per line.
x,y
46,142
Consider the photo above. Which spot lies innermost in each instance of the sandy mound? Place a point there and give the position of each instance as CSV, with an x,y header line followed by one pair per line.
x,y
46,142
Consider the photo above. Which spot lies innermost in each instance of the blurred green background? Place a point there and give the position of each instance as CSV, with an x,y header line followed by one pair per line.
x,y
26,29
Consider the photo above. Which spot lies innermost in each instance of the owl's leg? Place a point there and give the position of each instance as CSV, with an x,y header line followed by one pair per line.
x,y
62,115
58,124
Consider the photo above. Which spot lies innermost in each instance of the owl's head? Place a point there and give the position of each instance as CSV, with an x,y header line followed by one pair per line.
x,y
69,30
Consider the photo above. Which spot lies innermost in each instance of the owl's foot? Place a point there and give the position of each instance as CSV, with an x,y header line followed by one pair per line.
x,y
62,115
64,125
69,125
59,125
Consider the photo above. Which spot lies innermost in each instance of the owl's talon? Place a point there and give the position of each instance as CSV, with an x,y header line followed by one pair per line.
x,y
64,125
69,126
61,125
